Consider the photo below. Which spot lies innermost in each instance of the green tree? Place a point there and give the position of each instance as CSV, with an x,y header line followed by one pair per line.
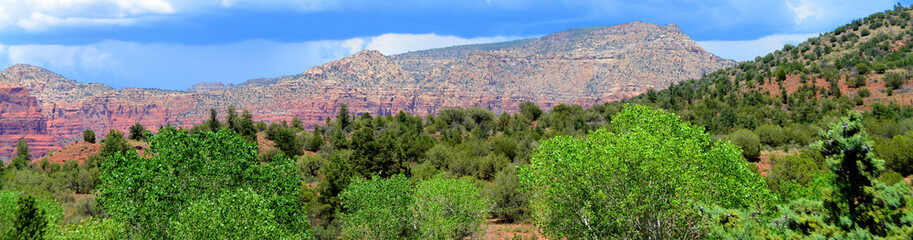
x,y
239,214
530,110
343,120
377,208
231,118
138,132
88,135
893,80
213,122
448,209
114,143
748,141
95,229
510,203
638,181
22,149
30,221
147,193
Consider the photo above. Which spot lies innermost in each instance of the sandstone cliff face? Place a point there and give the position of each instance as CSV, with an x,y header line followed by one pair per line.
x,y
578,66
20,117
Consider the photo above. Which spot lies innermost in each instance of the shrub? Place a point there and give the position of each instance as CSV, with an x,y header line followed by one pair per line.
x,y
377,208
509,202
771,135
88,135
748,141
897,153
596,186
893,80
448,209
863,92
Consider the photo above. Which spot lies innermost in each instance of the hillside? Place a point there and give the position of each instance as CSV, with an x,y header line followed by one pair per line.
x,y
578,66
864,65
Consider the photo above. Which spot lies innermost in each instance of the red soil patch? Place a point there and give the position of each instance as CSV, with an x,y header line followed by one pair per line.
x,y
498,231
78,151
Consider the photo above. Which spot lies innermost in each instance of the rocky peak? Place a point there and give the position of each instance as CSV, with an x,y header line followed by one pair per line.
x,y
366,66
208,87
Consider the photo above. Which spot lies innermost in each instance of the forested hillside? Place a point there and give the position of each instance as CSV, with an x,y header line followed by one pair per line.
x,y
813,141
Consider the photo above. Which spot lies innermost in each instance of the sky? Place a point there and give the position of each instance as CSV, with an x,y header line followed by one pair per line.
x,y
173,44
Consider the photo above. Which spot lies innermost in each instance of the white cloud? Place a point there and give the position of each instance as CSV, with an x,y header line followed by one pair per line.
x,y
805,9
43,15
394,43
40,22
174,66
749,49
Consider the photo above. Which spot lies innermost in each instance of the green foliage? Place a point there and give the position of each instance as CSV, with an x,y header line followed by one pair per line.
x,y
863,92
30,222
795,176
95,229
893,80
22,150
286,140
114,143
897,153
377,208
771,135
448,209
23,216
509,202
148,193
213,122
530,110
650,169
138,132
88,135
748,141
343,120
237,214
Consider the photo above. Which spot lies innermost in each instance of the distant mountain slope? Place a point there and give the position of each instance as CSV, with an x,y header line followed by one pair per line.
x,y
578,66
864,65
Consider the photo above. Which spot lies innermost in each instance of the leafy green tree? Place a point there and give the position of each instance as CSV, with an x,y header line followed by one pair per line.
x,y
448,209
286,140
213,122
893,80
509,202
377,208
897,153
638,181
239,214
343,120
30,221
22,150
95,228
88,135
147,193
748,141
231,118
114,143
138,132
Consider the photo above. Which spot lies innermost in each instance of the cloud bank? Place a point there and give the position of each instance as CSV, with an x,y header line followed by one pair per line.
x,y
177,67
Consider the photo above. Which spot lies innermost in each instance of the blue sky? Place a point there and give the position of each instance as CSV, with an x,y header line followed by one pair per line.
x,y
173,44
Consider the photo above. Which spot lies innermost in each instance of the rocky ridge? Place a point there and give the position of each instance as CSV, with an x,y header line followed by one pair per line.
x,y
578,66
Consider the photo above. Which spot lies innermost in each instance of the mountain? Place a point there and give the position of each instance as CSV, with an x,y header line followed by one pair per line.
x,y
578,66
865,66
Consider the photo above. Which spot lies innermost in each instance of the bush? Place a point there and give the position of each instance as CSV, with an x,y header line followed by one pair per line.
x,y
509,201
196,171
596,186
771,135
236,214
448,209
88,135
897,153
749,142
96,228
789,172
863,92
377,208
138,132
893,80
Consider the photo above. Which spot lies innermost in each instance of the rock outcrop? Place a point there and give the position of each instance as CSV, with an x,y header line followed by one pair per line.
x,y
579,66
21,117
